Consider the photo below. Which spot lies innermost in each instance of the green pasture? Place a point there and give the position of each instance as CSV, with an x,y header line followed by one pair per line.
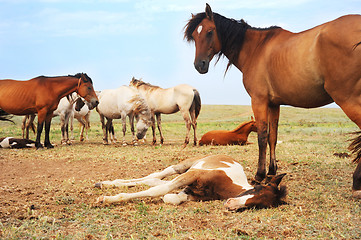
x,y
319,203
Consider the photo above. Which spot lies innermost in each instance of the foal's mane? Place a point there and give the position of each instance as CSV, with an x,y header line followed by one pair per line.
x,y
140,104
242,125
231,34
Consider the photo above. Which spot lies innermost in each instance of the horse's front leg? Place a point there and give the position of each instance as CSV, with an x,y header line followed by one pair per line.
x,y
159,124
47,143
131,122
274,113
187,121
153,129
261,116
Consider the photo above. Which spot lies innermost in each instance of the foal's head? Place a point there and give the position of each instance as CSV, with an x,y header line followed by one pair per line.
x,y
260,196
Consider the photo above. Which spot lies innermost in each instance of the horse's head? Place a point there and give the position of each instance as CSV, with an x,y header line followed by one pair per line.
x,y
86,90
143,117
260,196
202,30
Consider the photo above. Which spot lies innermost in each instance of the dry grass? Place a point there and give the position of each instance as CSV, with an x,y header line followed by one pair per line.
x,y
49,193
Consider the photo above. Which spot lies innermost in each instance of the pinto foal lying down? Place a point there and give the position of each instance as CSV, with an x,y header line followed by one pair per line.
x,y
213,177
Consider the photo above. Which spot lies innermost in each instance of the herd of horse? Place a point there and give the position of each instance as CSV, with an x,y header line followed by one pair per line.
x,y
307,69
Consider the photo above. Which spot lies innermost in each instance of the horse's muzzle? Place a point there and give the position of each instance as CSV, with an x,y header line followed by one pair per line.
x,y
202,66
93,104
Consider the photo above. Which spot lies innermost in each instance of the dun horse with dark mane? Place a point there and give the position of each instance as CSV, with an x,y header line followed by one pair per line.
x,y
237,136
41,95
307,69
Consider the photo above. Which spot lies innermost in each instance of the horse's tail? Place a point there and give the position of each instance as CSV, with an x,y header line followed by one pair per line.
x,y
355,146
196,104
4,116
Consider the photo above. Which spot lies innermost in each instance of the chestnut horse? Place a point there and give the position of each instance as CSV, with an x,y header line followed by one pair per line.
x,y
41,95
237,136
214,177
308,69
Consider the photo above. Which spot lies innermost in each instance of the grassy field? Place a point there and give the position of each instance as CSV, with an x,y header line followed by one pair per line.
x,y
50,194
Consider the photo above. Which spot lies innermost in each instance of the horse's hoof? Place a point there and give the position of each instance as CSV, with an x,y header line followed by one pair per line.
x,y
38,145
49,146
98,185
135,144
356,194
125,144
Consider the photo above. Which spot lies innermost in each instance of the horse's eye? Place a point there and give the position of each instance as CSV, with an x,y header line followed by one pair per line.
x,y
210,34
89,88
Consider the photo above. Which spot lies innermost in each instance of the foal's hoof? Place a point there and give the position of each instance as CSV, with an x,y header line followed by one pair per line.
x,y
356,194
269,178
100,199
48,146
98,185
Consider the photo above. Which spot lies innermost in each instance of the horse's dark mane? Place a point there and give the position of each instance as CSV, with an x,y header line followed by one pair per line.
x,y
231,34
78,75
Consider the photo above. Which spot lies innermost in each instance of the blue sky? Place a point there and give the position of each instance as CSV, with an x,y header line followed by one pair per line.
x,y
114,40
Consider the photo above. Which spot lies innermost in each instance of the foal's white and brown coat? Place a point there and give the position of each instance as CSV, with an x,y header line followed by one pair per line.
x,y
212,177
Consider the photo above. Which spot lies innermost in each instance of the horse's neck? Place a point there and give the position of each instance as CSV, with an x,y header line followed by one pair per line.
x,y
255,43
63,86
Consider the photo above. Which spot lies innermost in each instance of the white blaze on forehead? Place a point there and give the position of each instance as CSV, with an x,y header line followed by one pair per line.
x,y
199,29
236,203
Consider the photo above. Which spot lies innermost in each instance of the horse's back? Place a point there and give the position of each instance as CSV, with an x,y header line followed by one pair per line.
x,y
220,137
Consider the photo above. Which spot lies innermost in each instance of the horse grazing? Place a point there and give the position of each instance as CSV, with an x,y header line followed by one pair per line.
x,y
41,96
183,98
307,69
120,103
237,136
213,177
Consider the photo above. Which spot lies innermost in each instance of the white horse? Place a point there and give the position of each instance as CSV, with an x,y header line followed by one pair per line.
x,y
69,107
120,103
183,98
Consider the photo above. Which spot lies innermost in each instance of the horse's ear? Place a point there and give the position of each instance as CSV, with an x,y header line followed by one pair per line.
x,y
209,12
277,179
192,15
252,118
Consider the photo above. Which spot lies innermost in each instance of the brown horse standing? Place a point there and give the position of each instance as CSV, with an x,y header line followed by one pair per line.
x,y
41,95
307,69
237,136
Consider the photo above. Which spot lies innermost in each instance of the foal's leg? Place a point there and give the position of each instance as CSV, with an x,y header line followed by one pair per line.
x,y
159,120
274,113
104,127
23,124
156,191
153,129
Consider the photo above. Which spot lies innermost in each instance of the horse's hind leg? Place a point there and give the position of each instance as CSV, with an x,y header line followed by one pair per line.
x,y
156,191
194,125
187,120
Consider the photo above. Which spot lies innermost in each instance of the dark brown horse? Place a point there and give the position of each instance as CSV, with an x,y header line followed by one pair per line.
x,y
237,136
307,69
41,95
